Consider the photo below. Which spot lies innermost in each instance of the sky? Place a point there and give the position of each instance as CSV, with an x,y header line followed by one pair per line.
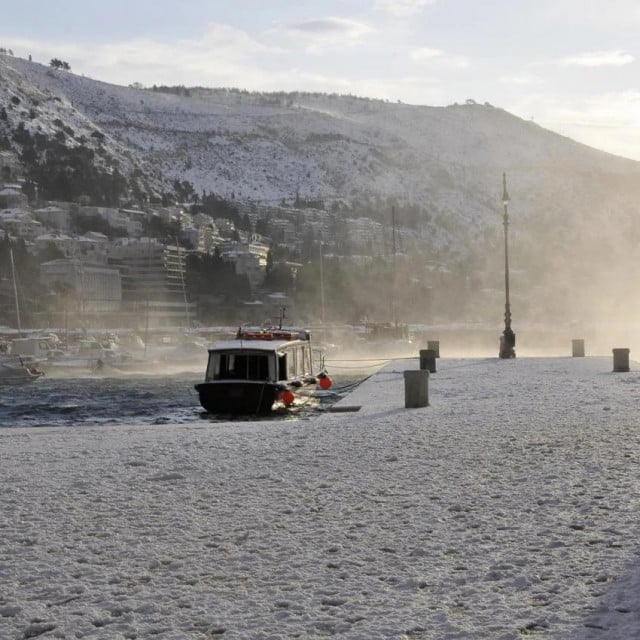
x,y
572,66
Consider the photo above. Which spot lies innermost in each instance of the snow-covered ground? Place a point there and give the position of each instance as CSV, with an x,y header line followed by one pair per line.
x,y
508,508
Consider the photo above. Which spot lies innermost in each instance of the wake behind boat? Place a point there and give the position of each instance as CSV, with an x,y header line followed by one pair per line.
x,y
260,370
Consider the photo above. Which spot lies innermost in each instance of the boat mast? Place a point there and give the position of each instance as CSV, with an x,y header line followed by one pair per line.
x,y
182,281
15,288
321,284
394,314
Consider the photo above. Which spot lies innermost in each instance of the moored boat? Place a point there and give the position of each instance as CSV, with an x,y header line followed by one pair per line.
x,y
14,371
260,370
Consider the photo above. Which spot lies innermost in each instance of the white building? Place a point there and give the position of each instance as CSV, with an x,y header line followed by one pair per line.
x,y
153,282
249,259
65,243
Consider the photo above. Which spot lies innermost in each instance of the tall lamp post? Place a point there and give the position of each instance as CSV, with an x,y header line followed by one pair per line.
x,y
508,337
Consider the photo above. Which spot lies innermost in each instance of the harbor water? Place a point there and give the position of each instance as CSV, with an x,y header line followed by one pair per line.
x,y
124,399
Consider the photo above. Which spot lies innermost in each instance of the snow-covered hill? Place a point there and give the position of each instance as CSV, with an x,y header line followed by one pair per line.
x,y
570,203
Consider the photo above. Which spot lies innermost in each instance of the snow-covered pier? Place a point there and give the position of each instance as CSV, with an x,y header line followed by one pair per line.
x,y
507,508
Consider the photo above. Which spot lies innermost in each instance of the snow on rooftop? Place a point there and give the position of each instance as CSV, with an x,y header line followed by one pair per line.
x,y
507,508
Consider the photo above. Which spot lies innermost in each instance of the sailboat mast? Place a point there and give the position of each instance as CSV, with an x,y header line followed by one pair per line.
x,y
321,284
184,288
15,289
394,314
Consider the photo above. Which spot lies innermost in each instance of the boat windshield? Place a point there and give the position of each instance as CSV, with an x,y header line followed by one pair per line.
x,y
233,366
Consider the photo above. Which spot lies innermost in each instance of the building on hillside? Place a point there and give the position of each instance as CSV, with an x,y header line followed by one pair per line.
x,y
67,245
19,224
116,218
94,246
54,217
170,214
249,259
364,232
206,236
97,287
11,196
10,167
283,231
226,228
153,283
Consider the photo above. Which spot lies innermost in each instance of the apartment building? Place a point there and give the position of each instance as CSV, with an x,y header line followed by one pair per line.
x,y
153,282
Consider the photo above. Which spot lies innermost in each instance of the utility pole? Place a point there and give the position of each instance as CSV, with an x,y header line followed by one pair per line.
x,y
508,338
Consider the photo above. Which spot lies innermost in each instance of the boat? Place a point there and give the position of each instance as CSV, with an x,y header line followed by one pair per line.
x,y
14,371
259,371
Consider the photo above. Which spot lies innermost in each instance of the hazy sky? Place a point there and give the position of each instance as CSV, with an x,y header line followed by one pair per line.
x,y
571,65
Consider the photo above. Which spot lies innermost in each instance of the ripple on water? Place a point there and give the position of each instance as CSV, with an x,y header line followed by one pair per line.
x,y
102,401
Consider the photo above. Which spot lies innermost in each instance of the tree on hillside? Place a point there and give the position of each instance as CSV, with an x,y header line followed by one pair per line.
x,y
83,223
211,275
156,227
56,63
49,252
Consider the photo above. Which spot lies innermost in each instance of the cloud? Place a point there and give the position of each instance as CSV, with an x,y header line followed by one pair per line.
x,y
331,31
403,8
221,56
426,55
231,41
522,80
598,59
574,14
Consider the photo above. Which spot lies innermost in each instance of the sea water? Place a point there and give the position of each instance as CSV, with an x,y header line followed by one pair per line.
x,y
102,400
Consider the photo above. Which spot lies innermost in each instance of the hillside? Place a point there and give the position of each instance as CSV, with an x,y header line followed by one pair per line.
x,y
572,209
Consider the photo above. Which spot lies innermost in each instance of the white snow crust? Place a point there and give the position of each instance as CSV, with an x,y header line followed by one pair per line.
x,y
508,508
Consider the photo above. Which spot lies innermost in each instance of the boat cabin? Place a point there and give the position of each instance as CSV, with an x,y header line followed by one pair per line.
x,y
255,369
264,359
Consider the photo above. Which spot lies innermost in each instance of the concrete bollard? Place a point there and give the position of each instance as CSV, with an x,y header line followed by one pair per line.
x,y
416,388
428,360
621,359
434,345
577,348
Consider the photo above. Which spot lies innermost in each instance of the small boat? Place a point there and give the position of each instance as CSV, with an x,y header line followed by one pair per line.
x,y
259,371
14,371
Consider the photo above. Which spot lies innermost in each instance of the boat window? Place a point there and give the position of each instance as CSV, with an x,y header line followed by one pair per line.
x,y
282,367
291,365
213,367
300,361
242,367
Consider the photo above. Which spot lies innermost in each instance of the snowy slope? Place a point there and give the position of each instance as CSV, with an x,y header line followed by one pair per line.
x,y
573,208
266,147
